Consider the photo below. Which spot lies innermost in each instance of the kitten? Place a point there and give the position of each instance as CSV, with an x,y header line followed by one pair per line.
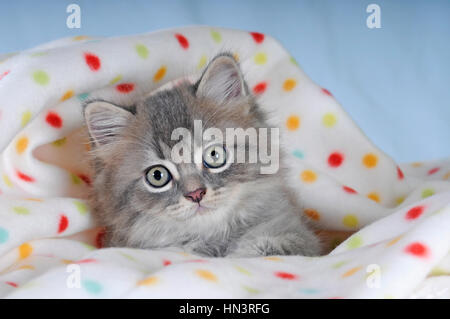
x,y
214,207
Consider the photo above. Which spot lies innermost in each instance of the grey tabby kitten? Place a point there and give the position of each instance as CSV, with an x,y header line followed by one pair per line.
x,y
146,200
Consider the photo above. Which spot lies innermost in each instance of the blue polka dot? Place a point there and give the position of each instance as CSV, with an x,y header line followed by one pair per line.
x,y
3,235
83,96
92,286
298,154
309,291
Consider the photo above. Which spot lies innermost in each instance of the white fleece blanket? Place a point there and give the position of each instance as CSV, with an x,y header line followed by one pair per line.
x,y
398,216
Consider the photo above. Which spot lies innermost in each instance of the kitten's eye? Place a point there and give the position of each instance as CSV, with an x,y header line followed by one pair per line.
x,y
215,156
158,176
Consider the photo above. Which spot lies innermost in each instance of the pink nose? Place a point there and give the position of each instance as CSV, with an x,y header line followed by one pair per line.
x,y
197,195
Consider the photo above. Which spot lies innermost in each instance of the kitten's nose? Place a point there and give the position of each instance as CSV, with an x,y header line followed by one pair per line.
x,y
197,195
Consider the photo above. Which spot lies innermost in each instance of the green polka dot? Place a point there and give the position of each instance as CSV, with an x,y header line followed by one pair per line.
x,y
298,154
21,210
293,61
26,117
41,77
260,58
87,246
127,256
83,96
427,192
251,290
216,36
354,242
329,120
116,79
81,207
36,54
142,51
3,235
339,264
60,142
243,270
75,179
92,286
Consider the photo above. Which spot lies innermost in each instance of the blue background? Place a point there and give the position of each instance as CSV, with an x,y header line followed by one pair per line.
x,y
393,81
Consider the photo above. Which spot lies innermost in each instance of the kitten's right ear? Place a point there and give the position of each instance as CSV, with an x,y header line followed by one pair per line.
x,y
105,120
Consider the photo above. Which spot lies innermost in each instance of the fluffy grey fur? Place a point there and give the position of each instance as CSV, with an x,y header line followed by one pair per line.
x,y
243,212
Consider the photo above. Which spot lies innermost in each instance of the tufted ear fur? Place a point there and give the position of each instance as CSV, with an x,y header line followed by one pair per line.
x,y
105,120
222,80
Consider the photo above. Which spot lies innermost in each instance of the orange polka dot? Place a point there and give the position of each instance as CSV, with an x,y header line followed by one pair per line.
x,y
148,281
67,95
21,145
236,56
308,176
25,250
312,213
370,160
293,122
446,176
289,84
374,196
416,164
393,241
160,74
351,271
206,274
273,258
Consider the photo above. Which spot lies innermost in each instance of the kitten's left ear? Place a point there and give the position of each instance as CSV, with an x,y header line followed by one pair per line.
x,y
222,80
105,121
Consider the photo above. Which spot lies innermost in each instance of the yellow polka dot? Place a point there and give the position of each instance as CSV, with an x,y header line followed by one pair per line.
x,y
236,56
25,250
329,119
67,261
7,181
206,274
148,281
308,176
116,79
80,37
312,213
21,145
160,74
393,241
399,200
34,199
289,84
202,62
260,58
67,95
446,176
26,117
350,221
351,271
293,122
28,267
242,270
370,160
374,196
416,164
60,142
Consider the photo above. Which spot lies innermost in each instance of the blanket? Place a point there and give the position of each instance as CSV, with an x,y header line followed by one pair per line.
x,y
386,227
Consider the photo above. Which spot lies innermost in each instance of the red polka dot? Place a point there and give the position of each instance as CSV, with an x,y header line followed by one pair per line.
x,y
25,177
433,170
335,159
260,88
166,262
4,74
85,179
285,275
54,119
326,92
125,87
417,249
400,173
92,61
63,223
86,261
414,212
99,238
12,284
349,190
182,41
258,37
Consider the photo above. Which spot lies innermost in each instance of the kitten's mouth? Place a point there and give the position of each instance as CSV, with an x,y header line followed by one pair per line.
x,y
202,209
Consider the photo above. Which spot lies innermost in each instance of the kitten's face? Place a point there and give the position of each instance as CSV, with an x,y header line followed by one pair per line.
x,y
136,175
